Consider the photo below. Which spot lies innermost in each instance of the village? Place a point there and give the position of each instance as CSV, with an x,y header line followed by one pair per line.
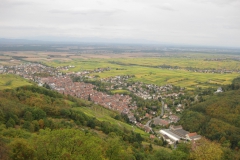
x,y
149,118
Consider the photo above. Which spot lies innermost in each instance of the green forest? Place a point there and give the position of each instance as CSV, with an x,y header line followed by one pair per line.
x,y
38,123
217,117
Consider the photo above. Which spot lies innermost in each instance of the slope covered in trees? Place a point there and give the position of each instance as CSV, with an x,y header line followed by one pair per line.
x,y
37,123
217,118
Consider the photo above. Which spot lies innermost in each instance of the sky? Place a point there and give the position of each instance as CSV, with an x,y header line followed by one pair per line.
x,y
189,22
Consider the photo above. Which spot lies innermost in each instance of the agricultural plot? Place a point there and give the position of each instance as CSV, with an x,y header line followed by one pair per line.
x,y
144,66
158,76
181,78
8,81
183,62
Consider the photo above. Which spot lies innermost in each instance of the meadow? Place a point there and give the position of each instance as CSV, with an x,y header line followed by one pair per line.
x,y
9,81
103,114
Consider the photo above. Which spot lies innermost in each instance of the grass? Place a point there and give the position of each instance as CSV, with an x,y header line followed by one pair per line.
x,y
120,91
9,81
156,147
103,114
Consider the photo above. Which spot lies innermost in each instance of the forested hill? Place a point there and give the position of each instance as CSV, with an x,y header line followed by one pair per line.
x,y
217,118
37,123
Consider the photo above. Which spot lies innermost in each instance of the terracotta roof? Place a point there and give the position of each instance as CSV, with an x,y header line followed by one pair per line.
x,y
192,134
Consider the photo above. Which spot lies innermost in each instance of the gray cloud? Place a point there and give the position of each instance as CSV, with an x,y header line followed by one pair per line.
x,y
166,6
86,12
219,2
211,22
13,3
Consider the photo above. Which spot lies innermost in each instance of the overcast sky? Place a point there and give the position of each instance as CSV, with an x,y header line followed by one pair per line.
x,y
201,22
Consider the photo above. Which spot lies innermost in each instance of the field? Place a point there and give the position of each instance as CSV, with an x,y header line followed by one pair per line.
x,y
120,91
151,75
183,62
145,66
8,81
103,114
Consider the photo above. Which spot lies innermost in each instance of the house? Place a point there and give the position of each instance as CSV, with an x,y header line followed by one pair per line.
x,y
193,136
219,90
166,138
174,118
160,122
147,129
175,127
132,119
151,136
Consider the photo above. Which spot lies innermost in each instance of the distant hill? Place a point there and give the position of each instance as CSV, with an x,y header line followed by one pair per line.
x,y
19,41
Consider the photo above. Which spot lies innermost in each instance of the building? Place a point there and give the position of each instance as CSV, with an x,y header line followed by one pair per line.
x,y
193,136
219,90
161,122
177,133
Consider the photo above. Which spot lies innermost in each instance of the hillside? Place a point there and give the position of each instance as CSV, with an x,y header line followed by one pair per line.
x,y
9,81
218,117
37,123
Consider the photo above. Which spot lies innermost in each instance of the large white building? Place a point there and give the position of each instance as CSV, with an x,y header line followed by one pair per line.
x,y
176,133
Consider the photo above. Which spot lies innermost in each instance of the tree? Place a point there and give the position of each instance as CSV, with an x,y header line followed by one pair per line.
x,y
67,144
116,150
35,125
89,97
28,126
2,117
150,147
162,154
91,123
38,113
10,123
205,149
28,116
21,150
41,123
4,150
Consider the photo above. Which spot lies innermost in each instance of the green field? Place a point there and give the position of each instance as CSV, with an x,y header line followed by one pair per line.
x,y
83,64
120,91
103,114
183,62
9,81
151,75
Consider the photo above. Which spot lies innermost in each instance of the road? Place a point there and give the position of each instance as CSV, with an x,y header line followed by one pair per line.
x,y
148,122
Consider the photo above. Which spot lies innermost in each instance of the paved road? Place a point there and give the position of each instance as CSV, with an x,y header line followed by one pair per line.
x,y
148,122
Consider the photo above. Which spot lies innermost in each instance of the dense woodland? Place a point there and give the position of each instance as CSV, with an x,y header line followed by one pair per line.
x,y
217,117
37,123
